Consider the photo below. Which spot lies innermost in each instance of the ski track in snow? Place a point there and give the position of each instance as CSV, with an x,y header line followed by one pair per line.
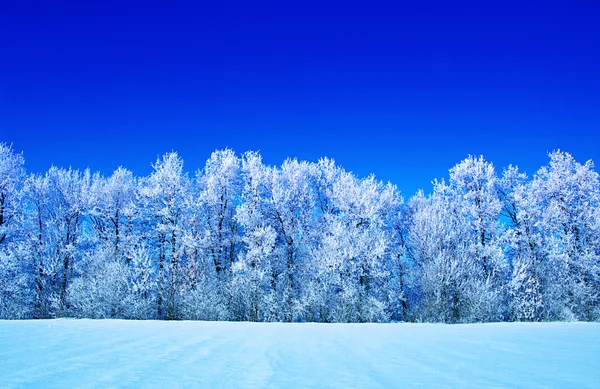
x,y
68,353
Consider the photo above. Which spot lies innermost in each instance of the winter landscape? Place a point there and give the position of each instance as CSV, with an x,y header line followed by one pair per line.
x,y
284,194
245,242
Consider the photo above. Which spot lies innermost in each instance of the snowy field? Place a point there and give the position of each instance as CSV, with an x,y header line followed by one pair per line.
x,y
153,354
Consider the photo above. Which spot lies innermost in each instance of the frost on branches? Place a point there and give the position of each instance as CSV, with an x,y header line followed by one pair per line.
x,y
242,240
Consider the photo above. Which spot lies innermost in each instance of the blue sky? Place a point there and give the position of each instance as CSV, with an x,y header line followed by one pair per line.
x,y
402,91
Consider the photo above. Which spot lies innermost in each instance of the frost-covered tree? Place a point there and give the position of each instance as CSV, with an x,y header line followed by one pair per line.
x,y
164,197
38,215
213,236
12,176
61,201
299,242
114,289
474,185
555,241
253,292
523,246
437,251
219,195
14,280
259,243
290,205
351,255
113,212
570,217
282,199
454,241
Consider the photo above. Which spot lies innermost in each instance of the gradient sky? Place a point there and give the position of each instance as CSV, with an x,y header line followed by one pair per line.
x,y
402,91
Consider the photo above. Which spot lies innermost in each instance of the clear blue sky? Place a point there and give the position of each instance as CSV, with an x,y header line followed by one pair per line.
x,y
402,91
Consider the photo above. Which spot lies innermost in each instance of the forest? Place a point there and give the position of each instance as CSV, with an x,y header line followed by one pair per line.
x,y
240,240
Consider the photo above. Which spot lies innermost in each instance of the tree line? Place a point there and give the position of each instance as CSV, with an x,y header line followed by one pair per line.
x,y
300,242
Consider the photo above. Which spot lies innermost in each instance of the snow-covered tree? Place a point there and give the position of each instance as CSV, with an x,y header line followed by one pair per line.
x,y
14,280
113,211
454,241
64,208
282,199
219,195
164,197
523,246
12,176
352,255
553,240
299,242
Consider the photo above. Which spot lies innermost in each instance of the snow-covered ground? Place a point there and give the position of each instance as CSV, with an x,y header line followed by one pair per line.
x,y
154,354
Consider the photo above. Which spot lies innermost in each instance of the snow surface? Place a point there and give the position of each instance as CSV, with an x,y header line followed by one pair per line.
x,y
156,354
